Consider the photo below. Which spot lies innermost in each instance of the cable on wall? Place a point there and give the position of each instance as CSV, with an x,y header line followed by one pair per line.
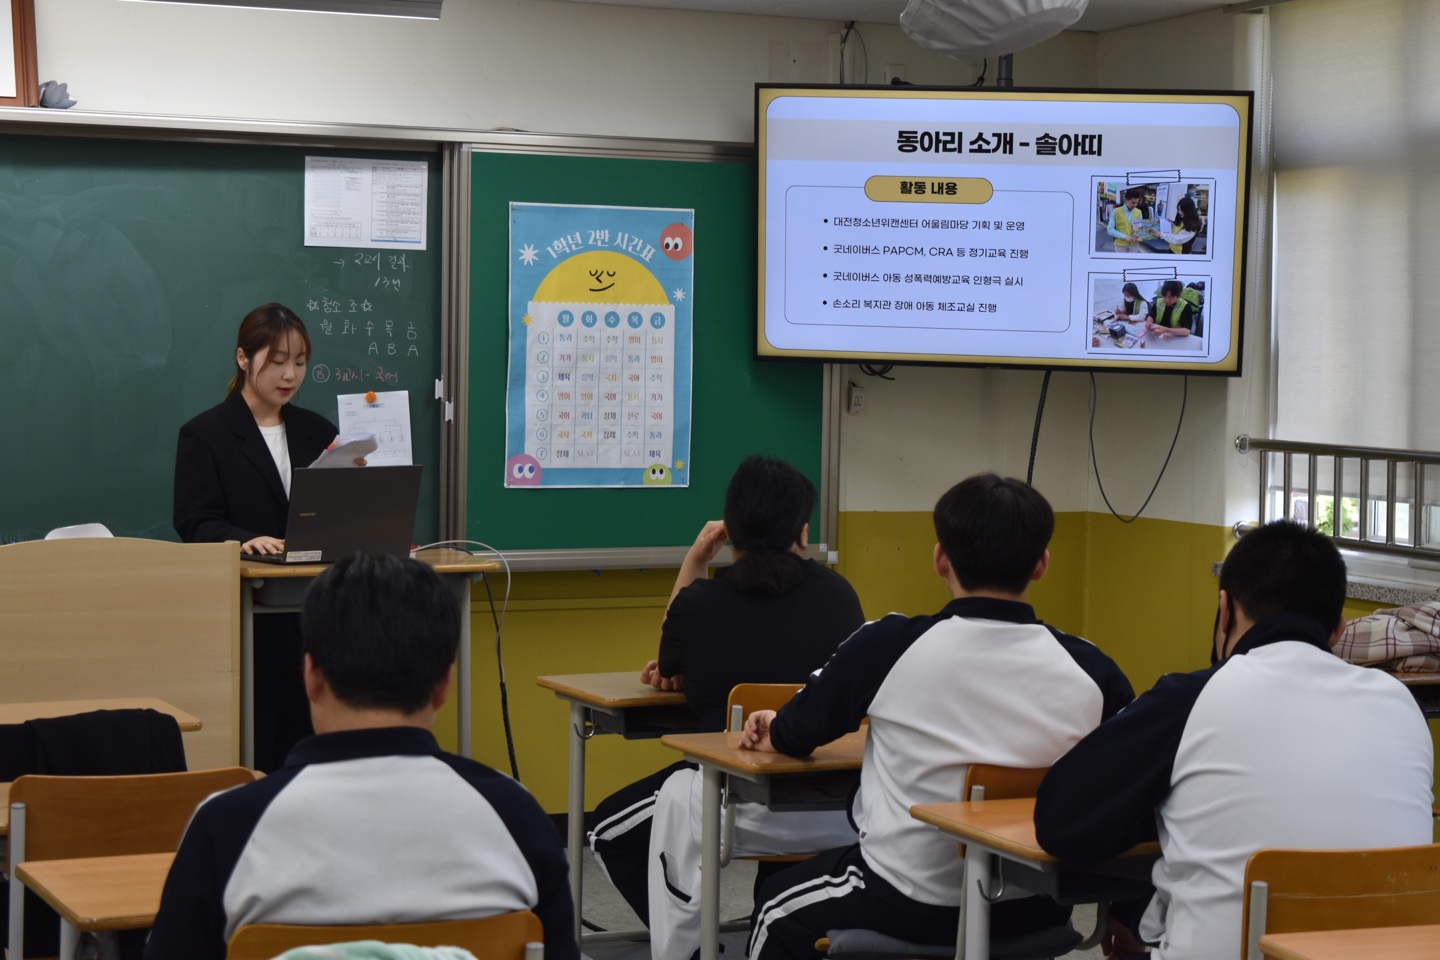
x,y
1035,436
498,618
1095,464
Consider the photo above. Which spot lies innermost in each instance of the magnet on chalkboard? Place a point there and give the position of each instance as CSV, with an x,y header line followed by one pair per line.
x,y
55,96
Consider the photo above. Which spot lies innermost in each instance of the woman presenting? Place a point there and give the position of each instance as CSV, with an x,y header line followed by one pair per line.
x,y
232,482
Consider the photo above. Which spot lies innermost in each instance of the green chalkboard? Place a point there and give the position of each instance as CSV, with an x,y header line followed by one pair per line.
x,y
739,407
125,268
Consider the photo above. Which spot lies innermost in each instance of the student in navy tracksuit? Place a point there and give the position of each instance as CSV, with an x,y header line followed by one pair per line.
x,y
369,821
1280,744
982,681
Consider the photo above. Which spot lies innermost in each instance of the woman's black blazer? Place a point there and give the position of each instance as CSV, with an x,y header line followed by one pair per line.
x,y
226,483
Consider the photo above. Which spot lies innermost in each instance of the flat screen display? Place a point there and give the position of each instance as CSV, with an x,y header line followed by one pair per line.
x,y
1057,229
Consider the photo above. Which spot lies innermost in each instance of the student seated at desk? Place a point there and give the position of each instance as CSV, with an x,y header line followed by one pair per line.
x,y
1279,744
1174,316
369,821
982,681
772,617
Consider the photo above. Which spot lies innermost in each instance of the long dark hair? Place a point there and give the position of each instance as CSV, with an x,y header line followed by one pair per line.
x,y
265,326
767,506
1186,215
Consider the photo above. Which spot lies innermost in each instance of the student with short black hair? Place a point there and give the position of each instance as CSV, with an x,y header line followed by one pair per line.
x,y
770,617
368,821
982,681
1172,315
1279,744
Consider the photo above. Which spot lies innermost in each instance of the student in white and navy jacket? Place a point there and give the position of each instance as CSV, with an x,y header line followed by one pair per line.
x,y
982,681
1280,744
368,821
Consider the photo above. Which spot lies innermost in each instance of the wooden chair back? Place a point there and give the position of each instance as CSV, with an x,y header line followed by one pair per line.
x,y
68,817
1003,783
750,697
501,937
1339,890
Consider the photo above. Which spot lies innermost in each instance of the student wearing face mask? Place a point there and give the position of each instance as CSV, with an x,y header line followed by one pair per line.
x,y
1132,308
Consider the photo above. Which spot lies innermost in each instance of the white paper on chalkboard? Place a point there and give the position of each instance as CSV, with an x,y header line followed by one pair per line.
x,y
387,417
7,52
376,204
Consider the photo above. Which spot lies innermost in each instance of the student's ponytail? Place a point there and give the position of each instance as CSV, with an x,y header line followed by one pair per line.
x,y
767,506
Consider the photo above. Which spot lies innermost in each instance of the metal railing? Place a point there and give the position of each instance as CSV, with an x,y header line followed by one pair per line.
x,y
1376,498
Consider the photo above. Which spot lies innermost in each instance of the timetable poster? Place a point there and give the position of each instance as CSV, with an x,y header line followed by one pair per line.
x,y
598,391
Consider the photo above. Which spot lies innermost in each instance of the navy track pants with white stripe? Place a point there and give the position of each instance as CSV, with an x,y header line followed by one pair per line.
x,y
837,890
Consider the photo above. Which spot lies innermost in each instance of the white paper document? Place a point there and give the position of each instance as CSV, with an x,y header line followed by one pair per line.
x,y
345,450
353,202
386,417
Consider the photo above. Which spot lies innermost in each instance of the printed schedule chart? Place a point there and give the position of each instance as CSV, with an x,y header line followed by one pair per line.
x,y
598,390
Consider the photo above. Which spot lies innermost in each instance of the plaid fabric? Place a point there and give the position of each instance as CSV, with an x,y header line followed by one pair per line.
x,y
1401,639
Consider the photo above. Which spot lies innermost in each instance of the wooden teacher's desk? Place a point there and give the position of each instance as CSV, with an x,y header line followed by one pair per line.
x,y
99,894
1005,830
608,703
280,588
116,617
1374,943
824,780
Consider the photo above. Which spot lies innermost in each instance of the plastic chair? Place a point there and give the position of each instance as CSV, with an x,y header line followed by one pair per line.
x,y
60,818
1296,890
506,936
745,699
982,781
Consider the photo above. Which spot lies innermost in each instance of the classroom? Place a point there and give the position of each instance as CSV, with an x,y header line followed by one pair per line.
x,y
1144,591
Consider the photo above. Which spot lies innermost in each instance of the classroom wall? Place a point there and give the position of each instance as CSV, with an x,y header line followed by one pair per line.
x,y
1143,591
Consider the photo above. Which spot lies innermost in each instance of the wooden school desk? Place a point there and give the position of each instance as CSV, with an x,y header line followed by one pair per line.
x,y
1425,688
1006,829
20,712
1373,943
99,894
824,780
608,703
280,588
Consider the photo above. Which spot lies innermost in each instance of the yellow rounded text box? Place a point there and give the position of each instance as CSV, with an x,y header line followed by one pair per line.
x,y
929,189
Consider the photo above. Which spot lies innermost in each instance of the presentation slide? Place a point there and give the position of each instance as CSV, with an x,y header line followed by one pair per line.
x,y
1055,229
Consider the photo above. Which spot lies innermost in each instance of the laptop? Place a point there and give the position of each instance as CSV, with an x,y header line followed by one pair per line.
x,y
334,513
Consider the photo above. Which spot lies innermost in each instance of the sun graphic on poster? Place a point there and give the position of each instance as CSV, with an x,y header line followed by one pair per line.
x,y
600,276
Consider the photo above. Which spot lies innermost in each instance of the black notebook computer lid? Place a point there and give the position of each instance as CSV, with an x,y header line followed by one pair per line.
x,y
337,512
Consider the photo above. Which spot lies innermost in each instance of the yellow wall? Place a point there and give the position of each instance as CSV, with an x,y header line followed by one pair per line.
x,y
1143,592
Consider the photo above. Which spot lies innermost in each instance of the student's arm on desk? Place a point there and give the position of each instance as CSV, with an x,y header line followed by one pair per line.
x,y
838,695
1100,799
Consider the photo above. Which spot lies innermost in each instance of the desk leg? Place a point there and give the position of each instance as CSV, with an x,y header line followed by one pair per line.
x,y
69,939
462,668
247,674
575,814
710,866
974,942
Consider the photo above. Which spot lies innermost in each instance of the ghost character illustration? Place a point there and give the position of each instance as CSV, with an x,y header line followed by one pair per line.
x,y
522,470
656,475
676,241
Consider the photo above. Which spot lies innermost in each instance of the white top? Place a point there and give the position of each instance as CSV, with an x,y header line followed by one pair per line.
x,y
280,450
1287,746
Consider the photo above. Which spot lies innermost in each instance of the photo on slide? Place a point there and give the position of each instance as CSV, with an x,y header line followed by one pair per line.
x,y
1144,313
1168,216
